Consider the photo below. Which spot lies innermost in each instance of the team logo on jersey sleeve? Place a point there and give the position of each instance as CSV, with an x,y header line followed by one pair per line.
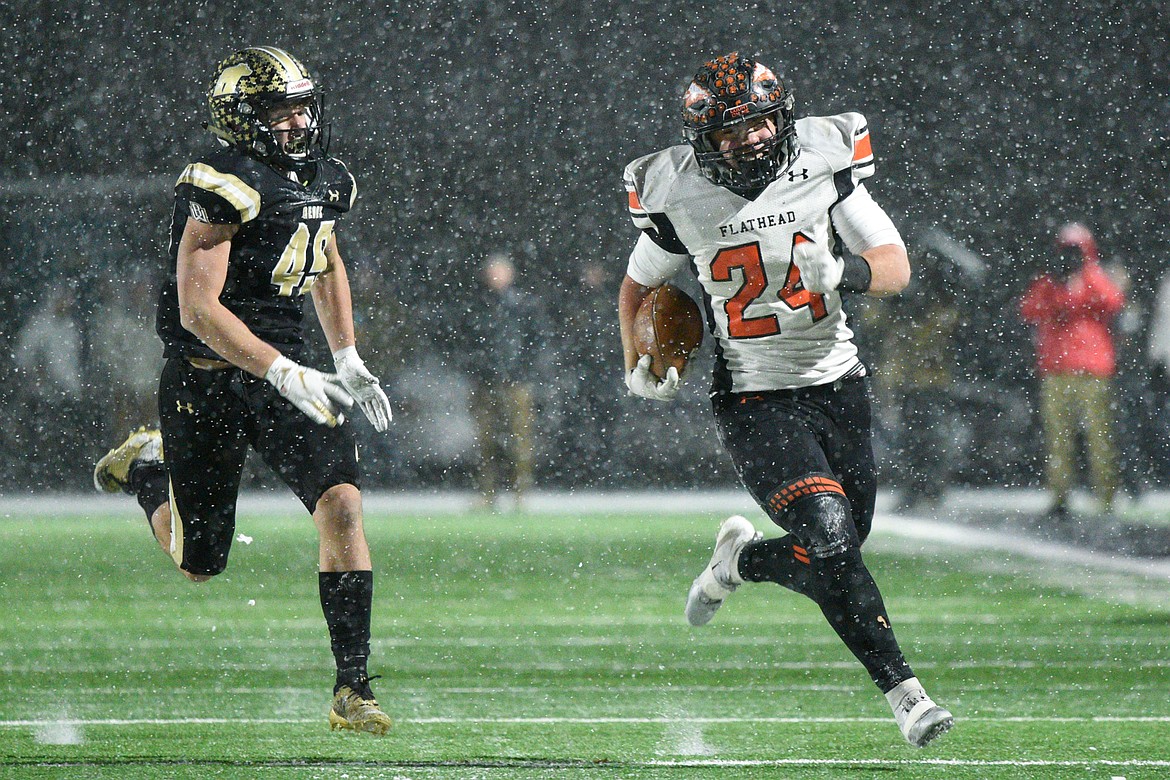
x,y
198,212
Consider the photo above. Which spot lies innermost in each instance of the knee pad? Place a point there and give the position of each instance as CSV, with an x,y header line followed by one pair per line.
x,y
816,511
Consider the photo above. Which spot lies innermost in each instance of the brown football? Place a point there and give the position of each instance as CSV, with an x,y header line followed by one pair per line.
x,y
669,328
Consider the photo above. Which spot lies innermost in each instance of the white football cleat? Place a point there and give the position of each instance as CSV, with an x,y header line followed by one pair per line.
x,y
721,576
919,718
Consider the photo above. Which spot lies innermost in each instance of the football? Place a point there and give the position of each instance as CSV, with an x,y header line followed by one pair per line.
x,y
669,328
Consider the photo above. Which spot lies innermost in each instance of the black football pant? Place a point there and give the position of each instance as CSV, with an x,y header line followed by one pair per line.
x,y
806,457
209,419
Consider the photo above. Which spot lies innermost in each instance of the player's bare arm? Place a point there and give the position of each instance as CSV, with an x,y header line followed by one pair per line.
x,y
333,301
202,267
640,380
630,297
890,269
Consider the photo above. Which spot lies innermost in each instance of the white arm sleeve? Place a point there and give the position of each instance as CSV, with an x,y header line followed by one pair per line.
x,y
650,265
862,224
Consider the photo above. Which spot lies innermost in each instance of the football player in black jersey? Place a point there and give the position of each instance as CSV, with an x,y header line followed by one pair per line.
x,y
253,232
771,214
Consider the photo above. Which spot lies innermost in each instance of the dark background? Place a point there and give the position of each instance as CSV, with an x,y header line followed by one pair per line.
x,y
476,127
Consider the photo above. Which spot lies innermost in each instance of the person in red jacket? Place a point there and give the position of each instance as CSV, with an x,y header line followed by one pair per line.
x,y
1071,308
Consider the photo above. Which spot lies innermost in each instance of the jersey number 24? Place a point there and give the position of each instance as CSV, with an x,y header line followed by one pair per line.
x,y
748,260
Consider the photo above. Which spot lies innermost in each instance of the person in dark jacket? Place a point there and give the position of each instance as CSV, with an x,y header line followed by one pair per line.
x,y
502,367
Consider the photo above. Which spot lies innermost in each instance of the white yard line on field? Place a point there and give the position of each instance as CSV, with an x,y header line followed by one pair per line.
x,y
538,721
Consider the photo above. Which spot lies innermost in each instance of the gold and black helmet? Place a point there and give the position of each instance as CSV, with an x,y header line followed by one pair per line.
x,y
247,85
732,90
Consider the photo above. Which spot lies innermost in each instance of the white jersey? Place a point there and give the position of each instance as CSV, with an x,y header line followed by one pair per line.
x,y
770,332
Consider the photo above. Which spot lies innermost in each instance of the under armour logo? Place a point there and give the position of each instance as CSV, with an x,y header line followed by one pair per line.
x,y
334,195
803,173
182,407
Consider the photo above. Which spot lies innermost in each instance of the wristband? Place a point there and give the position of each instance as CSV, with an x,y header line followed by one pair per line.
x,y
856,276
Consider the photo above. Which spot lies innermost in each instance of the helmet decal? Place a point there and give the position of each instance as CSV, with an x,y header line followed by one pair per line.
x,y
696,94
229,80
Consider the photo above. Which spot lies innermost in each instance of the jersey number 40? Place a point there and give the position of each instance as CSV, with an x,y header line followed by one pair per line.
x,y
293,274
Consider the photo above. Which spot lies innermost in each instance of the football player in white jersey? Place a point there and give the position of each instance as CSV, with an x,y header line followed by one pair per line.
x,y
771,214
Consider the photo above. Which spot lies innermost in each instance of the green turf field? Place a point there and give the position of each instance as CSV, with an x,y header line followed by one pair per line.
x,y
552,646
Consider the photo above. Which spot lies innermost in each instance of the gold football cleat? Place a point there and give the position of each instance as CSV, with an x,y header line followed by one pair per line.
x,y
112,472
351,711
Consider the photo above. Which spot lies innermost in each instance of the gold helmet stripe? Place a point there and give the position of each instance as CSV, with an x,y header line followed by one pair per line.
x,y
290,65
230,188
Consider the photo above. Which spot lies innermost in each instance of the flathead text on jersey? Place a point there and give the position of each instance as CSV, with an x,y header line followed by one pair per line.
x,y
757,223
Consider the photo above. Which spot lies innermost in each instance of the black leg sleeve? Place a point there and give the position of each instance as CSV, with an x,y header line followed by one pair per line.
x,y
151,486
782,560
849,599
346,600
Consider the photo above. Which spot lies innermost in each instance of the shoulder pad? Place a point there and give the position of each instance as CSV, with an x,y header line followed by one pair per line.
x,y
221,196
650,180
842,139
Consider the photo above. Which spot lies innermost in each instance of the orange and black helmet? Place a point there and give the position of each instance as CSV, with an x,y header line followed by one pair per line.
x,y
732,90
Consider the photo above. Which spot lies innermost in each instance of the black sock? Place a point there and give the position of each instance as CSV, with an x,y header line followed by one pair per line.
x,y
780,560
151,486
849,598
346,600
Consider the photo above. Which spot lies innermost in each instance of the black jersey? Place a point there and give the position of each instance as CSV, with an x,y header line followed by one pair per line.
x,y
275,257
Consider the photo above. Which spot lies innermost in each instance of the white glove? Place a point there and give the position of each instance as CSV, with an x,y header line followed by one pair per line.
x,y
641,382
819,269
317,395
364,387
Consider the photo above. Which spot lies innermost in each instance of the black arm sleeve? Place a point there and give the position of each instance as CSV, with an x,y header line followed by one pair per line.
x,y
857,275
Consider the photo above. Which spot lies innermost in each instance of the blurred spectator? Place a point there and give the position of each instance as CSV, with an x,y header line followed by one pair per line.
x,y
1158,354
47,358
502,362
48,348
916,367
1071,309
591,397
126,355
1132,400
